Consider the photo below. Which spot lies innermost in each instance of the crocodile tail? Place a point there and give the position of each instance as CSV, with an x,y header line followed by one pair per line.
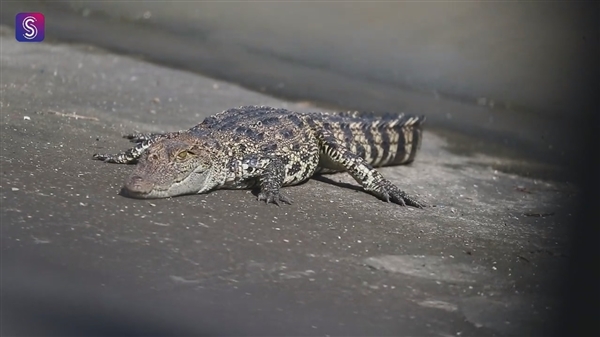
x,y
409,134
389,141
382,140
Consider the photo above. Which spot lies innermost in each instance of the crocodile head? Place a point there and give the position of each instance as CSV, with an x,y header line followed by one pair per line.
x,y
170,167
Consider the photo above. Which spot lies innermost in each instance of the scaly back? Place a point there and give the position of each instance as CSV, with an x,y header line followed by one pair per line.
x,y
389,139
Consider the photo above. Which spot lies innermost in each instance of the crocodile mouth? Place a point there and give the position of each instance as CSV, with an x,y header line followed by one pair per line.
x,y
139,188
155,193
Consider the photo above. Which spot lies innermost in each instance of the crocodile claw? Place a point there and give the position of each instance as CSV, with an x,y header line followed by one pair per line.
x,y
391,193
274,198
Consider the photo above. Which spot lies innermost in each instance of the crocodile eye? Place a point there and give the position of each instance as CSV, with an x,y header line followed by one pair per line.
x,y
182,155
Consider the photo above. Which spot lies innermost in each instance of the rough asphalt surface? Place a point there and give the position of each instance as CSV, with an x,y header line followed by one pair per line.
x,y
484,260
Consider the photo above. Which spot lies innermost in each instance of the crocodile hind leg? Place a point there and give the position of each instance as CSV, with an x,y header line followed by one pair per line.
x,y
130,156
334,154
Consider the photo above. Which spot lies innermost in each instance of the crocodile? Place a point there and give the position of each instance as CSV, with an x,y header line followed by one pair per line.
x,y
268,148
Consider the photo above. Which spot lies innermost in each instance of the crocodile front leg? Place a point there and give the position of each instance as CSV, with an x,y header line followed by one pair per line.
x,y
268,172
271,181
130,156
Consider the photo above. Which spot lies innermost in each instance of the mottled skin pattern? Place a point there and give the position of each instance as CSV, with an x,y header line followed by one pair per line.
x,y
264,147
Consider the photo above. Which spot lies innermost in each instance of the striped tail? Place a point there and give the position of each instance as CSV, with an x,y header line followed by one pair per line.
x,y
391,139
409,140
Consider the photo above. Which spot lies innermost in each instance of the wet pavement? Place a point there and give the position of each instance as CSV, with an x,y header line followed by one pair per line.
x,y
485,259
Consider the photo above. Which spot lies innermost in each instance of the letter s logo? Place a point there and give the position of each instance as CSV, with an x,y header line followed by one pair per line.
x,y
30,28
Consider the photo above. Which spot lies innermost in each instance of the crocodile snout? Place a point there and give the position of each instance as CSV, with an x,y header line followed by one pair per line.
x,y
136,186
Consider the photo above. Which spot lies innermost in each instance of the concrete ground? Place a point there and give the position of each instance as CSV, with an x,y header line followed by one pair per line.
x,y
79,259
